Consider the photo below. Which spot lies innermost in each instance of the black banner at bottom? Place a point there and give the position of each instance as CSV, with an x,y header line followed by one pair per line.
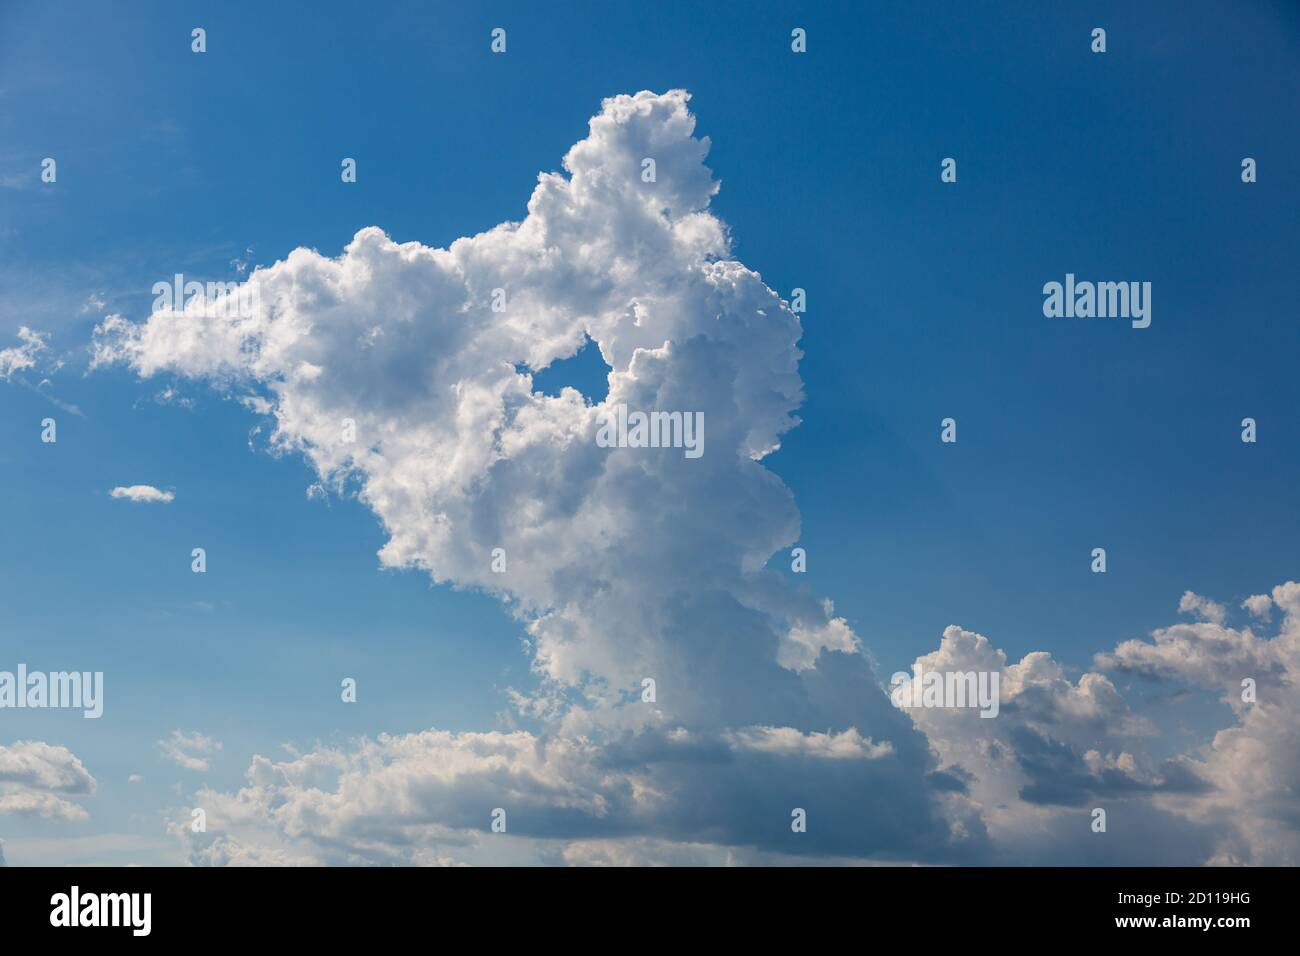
x,y
337,905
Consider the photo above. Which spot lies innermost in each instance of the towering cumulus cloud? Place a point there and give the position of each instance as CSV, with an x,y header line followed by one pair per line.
x,y
406,372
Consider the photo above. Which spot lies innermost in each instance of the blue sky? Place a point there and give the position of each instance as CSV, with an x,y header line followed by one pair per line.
x,y
924,302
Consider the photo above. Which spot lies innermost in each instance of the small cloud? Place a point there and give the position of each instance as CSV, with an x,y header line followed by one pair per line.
x,y
143,493
190,751
1258,605
134,778
170,396
1202,607
788,741
240,264
94,303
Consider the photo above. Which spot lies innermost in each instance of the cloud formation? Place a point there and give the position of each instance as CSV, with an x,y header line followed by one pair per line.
x,y
37,778
405,372
391,371
144,493
16,358
1252,766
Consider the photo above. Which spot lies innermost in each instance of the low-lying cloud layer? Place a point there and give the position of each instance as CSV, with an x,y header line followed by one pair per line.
x,y
405,372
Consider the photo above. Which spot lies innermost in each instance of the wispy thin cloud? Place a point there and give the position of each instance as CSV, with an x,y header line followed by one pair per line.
x,y
189,750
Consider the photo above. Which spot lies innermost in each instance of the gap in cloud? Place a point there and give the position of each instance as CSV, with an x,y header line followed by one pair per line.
x,y
585,370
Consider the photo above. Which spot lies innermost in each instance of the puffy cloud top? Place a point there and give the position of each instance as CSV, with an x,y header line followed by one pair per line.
x,y
390,366
36,778
406,372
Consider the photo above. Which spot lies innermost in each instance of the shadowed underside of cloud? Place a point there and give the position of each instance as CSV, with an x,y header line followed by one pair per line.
x,y
390,370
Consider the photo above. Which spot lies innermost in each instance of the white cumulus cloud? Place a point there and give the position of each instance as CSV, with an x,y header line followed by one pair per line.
x,y
146,493
622,563
390,370
22,356
191,751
